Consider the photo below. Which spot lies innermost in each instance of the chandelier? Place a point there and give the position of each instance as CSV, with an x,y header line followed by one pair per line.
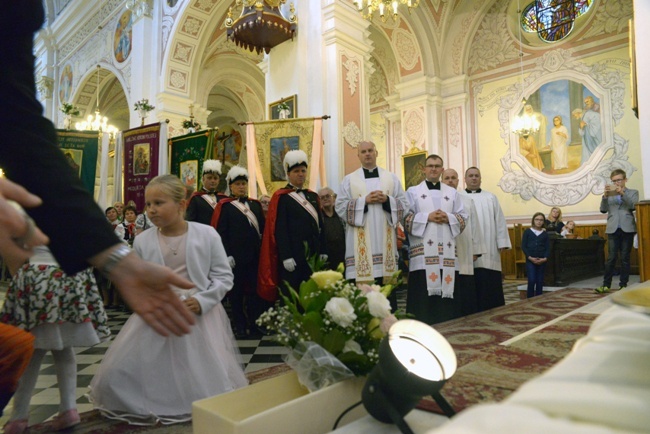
x,y
525,124
383,7
98,122
261,24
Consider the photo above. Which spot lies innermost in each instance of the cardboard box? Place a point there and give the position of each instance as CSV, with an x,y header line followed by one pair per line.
x,y
279,405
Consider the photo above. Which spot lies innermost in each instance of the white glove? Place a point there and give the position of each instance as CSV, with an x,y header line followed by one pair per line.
x,y
289,264
231,261
323,257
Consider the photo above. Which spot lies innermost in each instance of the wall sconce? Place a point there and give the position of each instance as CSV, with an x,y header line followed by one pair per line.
x,y
45,87
139,8
414,361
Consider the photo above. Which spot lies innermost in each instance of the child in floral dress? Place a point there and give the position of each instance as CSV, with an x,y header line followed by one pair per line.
x,y
62,312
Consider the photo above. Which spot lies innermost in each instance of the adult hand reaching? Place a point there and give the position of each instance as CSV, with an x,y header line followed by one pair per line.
x,y
146,288
18,235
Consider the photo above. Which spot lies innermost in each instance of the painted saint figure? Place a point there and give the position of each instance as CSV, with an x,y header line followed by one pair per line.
x,y
558,144
590,128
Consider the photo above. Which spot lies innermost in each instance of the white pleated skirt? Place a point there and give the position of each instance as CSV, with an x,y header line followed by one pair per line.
x,y
146,378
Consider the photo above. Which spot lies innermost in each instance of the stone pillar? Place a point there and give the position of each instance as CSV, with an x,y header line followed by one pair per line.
x,y
642,49
455,99
144,59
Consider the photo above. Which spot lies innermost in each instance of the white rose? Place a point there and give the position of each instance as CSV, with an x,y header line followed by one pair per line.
x,y
341,311
327,278
352,346
378,304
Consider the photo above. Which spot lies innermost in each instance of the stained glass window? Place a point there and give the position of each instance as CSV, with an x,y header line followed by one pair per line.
x,y
552,20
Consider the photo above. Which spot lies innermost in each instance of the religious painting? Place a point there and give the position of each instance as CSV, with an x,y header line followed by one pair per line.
x,y
123,37
74,157
413,167
284,108
142,162
188,171
279,148
65,84
228,146
570,127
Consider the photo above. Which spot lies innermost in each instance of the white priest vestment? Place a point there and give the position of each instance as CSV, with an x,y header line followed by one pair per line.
x,y
370,237
469,242
432,245
494,229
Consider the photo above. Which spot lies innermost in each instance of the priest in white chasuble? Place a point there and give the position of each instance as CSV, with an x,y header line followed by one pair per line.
x,y
494,230
436,217
371,201
469,247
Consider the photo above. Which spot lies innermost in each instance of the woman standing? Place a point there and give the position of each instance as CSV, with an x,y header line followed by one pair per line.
x,y
554,220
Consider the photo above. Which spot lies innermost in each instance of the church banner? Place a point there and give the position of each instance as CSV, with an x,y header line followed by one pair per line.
x,y
80,149
268,142
141,154
187,155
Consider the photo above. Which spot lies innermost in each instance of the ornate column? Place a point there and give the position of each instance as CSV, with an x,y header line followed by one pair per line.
x,y
144,60
455,99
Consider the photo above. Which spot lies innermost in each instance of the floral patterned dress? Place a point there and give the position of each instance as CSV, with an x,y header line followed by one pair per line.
x,y
60,310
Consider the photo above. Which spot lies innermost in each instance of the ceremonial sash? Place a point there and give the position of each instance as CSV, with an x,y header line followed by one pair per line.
x,y
306,205
364,259
250,215
437,243
209,200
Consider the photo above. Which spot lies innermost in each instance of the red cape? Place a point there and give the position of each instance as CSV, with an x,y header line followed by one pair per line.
x,y
268,280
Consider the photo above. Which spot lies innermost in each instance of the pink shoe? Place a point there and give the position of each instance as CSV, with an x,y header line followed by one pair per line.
x,y
17,426
66,419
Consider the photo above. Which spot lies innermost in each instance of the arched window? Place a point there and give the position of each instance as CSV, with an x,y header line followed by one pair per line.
x,y
552,20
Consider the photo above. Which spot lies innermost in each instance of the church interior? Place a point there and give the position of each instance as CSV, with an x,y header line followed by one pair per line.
x,y
445,77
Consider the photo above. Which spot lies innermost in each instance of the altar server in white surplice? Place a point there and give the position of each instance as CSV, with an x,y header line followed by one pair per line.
x,y
371,202
436,217
469,247
494,230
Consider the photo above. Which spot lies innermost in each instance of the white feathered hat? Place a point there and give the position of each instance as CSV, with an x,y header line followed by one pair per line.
x,y
236,173
212,166
294,159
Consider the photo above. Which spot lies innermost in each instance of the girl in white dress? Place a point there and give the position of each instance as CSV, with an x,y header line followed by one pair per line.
x,y
147,378
62,312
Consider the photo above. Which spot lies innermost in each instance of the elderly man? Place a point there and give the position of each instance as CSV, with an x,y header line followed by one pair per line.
x,y
371,202
469,247
294,223
436,217
203,202
334,228
494,232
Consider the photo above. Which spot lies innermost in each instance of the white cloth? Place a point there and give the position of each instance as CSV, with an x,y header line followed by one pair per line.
x,y
494,229
147,378
601,387
376,227
469,242
432,245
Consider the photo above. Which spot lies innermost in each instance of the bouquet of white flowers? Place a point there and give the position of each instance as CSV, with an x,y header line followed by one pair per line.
x,y
346,320
144,105
69,109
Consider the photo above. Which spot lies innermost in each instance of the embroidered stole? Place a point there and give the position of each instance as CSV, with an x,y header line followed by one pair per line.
x,y
209,200
250,215
306,205
364,259
437,243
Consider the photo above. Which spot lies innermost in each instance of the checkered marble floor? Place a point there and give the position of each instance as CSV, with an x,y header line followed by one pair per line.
x,y
256,354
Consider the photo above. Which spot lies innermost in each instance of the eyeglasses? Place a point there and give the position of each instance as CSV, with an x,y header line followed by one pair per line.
x,y
326,196
618,180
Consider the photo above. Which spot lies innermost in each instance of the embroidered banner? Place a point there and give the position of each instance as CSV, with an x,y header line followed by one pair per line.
x,y
80,149
187,155
267,144
141,154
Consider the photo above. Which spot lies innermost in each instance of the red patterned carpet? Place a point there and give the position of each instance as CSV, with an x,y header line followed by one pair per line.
x,y
488,371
